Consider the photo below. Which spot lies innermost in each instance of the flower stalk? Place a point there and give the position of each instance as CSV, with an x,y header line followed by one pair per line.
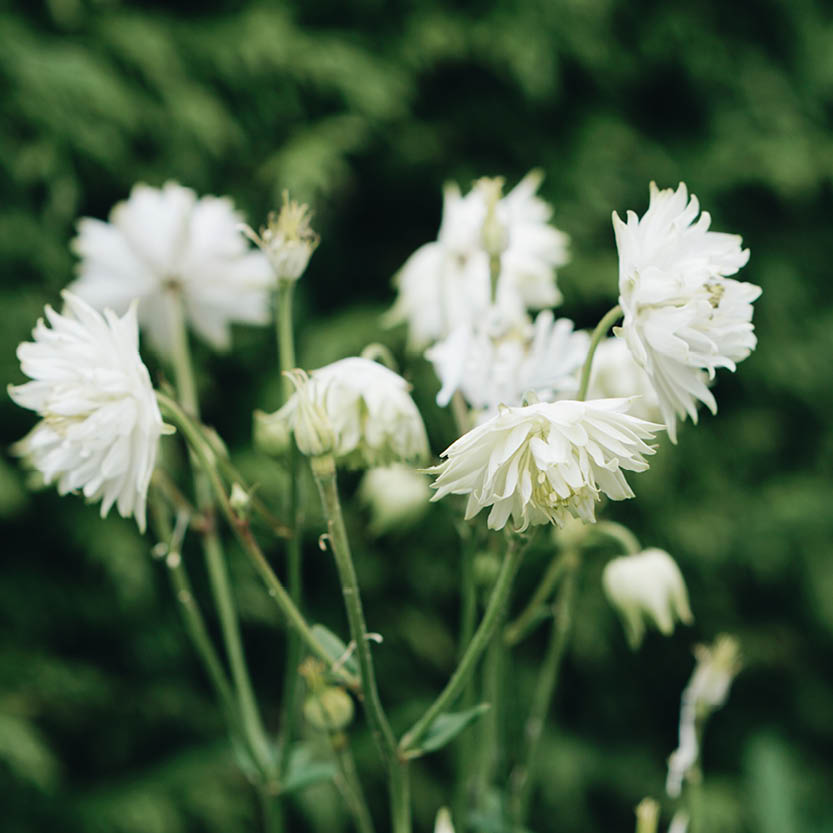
x,y
608,320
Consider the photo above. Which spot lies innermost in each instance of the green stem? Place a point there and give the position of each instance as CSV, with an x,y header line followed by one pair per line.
x,y
171,410
620,533
491,736
465,749
286,358
214,556
482,637
352,789
522,779
530,616
324,471
609,319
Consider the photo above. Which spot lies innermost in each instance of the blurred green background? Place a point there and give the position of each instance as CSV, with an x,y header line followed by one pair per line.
x,y
365,108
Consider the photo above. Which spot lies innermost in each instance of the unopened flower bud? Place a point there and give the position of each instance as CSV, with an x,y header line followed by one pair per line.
x,y
329,709
272,434
647,816
287,239
240,501
397,496
494,233
648,587
443,823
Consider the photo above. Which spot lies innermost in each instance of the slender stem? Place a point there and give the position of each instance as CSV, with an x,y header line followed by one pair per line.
x,y
399,784
529,616
191,614
468,619
491,736
482,636
240,526
462,419
286,359
620,533
522,779
214,556
609,319
351,787
325,478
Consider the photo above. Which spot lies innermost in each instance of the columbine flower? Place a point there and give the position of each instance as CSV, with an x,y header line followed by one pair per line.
x,y
546,462
371,414
648,587
707,690
101,424
164,243
396,495
447,284
684,317
498,362
616,373
287,239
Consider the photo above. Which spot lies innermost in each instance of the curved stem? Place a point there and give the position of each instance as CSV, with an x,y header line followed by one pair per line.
x,y
522,779
351,787
481,638
620,533
608,320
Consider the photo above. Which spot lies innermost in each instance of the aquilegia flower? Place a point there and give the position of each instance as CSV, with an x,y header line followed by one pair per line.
x,y
163,245
684,317
647,586
546,463
373,420
100,423
447,283
498,362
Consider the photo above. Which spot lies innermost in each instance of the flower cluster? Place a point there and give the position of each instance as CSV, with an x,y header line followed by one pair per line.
x,y
100,424
546,463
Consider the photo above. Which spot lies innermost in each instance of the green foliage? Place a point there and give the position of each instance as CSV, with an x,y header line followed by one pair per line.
x,y
106,721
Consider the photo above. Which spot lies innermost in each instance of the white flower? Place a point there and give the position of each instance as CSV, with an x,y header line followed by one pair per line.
x,y
287,239
647,586
101,424
396,495
443,821
546,462
497,362
616,373
684,317
371,414
447,284
165,242
707,690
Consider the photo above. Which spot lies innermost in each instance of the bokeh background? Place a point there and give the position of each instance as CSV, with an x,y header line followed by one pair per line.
x,y
365,108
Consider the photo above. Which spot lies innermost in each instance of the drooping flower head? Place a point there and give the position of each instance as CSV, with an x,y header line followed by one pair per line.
x,y
447,284
100,423
396,495
546,463
498,362
165,242
683,316
647,586
372,417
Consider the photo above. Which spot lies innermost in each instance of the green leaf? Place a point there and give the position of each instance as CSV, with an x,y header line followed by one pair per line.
x,y
336,649
446,727
304,769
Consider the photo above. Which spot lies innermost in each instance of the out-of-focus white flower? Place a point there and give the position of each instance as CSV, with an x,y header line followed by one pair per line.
x,y
100,423
679,822
447,284
707,690
684,317
647,586
396,495
616,373
443,823
162,245
546,462
373,419
287,239
498,362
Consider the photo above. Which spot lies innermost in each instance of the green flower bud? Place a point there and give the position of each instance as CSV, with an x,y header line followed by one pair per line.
x,y
330,709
